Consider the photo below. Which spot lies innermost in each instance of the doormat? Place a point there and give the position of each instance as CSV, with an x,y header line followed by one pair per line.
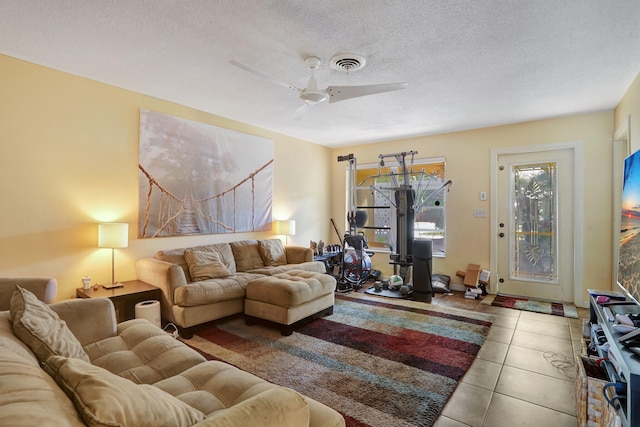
x,y
545,307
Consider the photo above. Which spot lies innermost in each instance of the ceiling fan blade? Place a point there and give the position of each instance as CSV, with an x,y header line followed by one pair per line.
x,y
341,93
262,75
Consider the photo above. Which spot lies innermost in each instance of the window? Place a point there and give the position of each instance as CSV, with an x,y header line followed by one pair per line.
x,y
379,189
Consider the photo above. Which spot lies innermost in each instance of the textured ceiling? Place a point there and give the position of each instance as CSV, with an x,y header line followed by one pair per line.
x,y
468,64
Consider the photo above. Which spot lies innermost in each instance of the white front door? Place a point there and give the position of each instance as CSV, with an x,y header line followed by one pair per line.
x,y
535,224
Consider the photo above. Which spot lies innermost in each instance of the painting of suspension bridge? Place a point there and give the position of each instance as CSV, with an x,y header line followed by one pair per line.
x,y
197,178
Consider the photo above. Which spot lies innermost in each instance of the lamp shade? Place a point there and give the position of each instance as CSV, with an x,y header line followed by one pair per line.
x,y
113,235
286,227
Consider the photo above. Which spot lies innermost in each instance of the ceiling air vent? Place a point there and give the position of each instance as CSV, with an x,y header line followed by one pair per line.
x,y
347,62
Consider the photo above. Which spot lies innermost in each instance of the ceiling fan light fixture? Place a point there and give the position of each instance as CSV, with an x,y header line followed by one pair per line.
x,y
313,96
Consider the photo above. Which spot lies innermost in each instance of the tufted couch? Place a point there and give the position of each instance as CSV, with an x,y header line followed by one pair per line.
x,y
205,283
70,364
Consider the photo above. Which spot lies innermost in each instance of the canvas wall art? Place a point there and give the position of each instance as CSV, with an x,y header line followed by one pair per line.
x,y
197,178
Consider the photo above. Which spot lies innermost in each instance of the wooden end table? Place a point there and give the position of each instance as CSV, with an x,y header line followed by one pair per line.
x,y
125,298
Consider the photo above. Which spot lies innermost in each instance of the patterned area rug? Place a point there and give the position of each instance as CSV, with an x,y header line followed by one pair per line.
x,y
546,307
378,362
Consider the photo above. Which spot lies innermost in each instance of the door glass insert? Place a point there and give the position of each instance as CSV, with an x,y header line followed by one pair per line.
x,y
534,245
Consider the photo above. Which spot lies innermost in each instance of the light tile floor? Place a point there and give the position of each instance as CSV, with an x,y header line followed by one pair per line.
x,y
523,374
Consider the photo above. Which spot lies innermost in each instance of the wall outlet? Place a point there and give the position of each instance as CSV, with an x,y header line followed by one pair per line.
x,y
483,195
480,213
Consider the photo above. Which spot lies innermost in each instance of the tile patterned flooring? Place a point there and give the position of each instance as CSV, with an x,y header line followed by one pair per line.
x,y
523,374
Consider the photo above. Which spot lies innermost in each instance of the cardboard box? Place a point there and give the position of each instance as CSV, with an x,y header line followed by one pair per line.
x,y
472,275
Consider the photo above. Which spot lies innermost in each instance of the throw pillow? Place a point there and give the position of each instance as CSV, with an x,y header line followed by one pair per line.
x,y
272,252
247,255
205,265
41,328
105,399
224,252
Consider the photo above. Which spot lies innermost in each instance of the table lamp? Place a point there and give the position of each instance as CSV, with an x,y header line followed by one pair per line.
x,y
113,235
286,227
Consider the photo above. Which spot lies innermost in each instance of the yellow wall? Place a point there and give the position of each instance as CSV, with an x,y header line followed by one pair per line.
x,y
69,154
629,106
468,166
69,159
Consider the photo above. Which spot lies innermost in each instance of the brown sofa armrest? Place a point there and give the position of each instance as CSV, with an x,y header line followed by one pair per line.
x,y
298,254
166,276
90,320
44,288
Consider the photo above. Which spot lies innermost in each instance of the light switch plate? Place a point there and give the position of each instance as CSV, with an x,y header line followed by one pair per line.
x,y
480,213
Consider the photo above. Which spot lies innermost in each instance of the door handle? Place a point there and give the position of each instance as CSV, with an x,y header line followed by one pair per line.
x,y
501,234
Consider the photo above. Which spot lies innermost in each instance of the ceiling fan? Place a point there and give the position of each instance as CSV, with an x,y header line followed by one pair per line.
x,y
312,94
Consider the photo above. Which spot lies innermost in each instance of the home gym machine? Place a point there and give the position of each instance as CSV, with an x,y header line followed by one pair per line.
x,y
405,192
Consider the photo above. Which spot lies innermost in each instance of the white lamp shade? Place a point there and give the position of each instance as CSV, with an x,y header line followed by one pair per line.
x,y
113,235
286,227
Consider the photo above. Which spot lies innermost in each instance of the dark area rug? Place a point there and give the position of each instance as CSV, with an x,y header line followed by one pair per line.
x,y
518,303
378,362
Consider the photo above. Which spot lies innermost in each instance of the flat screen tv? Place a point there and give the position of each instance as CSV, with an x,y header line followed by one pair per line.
x,y
629,254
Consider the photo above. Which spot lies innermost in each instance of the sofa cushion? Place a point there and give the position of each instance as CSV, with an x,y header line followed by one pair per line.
x,y
213,387
272,252
247,255
30,397
104,399
277,407
11,342
42,287
205,265
142,353
213,290
41,328
175,256
314,266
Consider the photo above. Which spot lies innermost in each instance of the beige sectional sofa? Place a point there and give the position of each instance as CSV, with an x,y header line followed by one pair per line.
x,y
70,364
205,283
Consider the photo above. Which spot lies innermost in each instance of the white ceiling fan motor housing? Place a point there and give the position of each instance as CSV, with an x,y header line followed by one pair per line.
x,y
311,94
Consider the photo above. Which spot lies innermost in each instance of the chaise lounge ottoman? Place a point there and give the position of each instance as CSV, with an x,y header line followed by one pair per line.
x,y
289,299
